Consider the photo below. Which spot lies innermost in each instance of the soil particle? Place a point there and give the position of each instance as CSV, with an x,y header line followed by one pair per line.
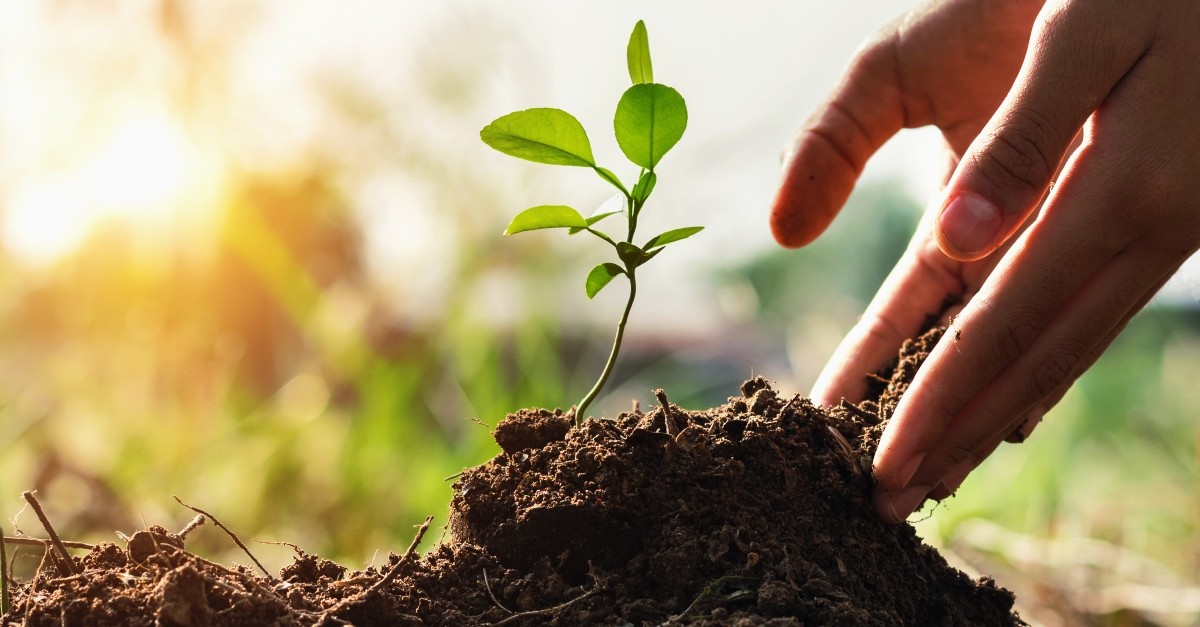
x,y
754,513
530,428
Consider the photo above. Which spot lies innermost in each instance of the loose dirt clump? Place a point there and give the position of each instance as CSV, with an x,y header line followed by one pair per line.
x,y
756,512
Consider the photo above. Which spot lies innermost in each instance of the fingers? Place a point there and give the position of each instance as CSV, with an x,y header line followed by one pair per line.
x,y
1034,417
1078,52
915,289
828,155
954,478
1069,285
1050,364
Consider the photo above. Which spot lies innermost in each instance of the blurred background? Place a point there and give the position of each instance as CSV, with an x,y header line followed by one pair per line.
x,y
250,255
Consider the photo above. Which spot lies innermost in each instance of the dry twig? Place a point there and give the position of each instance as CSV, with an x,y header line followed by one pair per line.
x,y
389,576
191,526
860,412
668,419
45,544
67,562
412,548
232,535
791,404
3,575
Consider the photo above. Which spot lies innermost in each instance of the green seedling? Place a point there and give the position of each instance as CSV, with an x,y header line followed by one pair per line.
x,y
649,121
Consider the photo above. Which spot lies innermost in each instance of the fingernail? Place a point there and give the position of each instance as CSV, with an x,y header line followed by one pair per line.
x,y
896,507
910,468
902,477
970,224
956,476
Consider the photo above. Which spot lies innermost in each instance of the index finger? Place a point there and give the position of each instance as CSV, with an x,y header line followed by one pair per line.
x,y
828,155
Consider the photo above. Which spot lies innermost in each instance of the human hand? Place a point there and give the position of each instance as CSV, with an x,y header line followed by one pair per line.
x,y
1046,290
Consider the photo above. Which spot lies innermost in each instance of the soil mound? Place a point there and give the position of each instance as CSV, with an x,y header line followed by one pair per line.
x,y
756,512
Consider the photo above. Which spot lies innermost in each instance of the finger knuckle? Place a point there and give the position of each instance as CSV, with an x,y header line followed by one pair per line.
x,y
959,454
880,328
1020,152
1155,210
1051,371
1015,334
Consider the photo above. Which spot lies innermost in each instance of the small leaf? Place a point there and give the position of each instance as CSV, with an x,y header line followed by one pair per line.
x,y
650,120
638,55
545,217
543,135
651,255
634,256
630,254
592,220
674,235
600,276
600,216
614,205
611,178
644,186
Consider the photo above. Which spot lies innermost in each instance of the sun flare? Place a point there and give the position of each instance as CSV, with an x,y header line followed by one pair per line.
x,y
139,174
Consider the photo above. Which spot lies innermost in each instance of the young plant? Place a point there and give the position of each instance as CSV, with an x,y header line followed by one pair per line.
x,y
649,121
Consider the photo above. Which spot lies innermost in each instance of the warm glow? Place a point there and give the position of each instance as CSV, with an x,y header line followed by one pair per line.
x,y
138,175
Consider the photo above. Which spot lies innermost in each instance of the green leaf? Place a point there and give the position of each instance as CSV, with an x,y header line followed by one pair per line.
x,y
600,216
638,54
600,276
644,186
634,256
543,135
545,217
611,178
674,235
630,254
650,120
594,219
648,256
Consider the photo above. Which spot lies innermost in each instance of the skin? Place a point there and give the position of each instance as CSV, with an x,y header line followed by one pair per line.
x,y
1072,134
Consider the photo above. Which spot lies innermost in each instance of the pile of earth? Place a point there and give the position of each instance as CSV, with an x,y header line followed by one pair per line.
x,y
756,512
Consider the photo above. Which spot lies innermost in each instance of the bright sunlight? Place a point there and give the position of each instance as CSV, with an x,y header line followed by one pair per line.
x,y
139,174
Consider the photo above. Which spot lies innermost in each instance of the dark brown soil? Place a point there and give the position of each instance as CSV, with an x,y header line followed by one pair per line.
x,y
756,512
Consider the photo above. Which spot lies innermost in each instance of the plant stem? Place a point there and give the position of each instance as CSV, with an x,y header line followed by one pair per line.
x,y
612,356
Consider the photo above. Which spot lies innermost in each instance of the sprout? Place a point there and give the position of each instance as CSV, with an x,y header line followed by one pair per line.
x,y
649,121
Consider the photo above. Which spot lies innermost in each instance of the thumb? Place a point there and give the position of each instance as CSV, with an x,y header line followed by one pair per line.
x,y
1074,62
826,158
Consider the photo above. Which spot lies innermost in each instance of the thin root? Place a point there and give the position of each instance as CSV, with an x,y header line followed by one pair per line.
x,y
488,585
549,610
